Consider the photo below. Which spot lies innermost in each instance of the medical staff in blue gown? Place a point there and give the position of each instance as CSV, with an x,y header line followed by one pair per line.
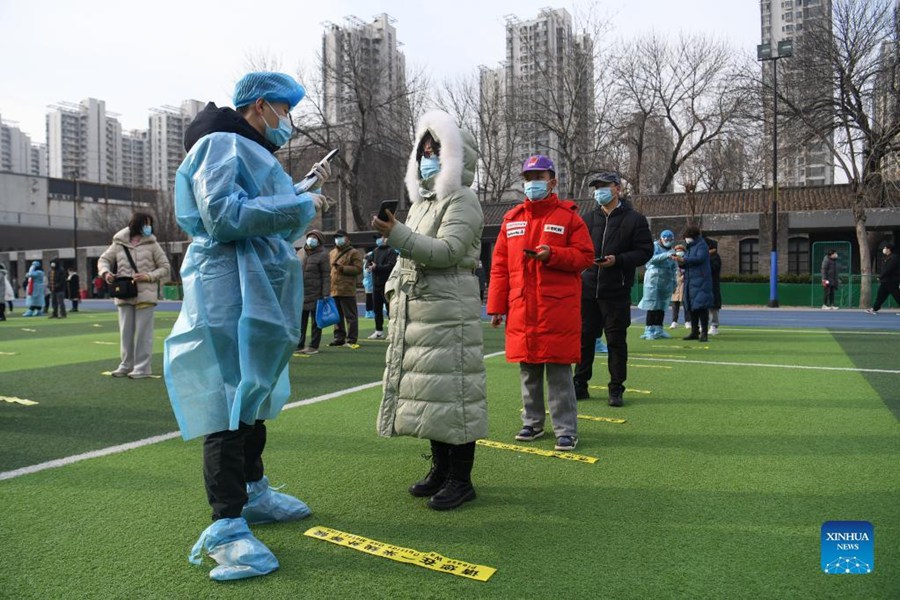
x,y
226,360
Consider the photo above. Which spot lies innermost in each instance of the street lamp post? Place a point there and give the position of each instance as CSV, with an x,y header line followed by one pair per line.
x,y
764,53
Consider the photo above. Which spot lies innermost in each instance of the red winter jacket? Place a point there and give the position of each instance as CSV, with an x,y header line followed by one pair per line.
x,y
541,301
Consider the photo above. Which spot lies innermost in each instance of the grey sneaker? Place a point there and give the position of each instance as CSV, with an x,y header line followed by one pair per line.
x,y
566,442
529,433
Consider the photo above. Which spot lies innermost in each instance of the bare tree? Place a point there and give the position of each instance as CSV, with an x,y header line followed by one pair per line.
x,y
733,162
857,52
369,120
166,228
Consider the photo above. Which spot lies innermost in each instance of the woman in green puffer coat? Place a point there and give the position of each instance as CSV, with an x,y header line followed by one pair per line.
x,y
434,379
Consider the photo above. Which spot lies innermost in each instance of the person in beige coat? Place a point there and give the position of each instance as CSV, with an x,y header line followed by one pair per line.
x,y
136,314
434,378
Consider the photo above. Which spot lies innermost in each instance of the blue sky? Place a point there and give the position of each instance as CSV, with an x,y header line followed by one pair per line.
x,y
136,56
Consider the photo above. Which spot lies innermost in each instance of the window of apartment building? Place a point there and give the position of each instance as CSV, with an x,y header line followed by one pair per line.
x,y
749,256
798,256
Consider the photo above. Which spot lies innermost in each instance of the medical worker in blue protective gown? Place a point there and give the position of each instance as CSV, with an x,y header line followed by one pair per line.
x,y
226,360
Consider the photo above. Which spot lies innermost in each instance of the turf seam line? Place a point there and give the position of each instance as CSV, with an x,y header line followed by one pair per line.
x,y
69,460
774,366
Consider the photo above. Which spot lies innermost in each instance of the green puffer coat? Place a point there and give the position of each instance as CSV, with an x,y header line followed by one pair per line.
x,y
434,379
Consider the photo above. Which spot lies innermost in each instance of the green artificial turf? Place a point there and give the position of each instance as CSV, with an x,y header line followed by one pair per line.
x,y
715,487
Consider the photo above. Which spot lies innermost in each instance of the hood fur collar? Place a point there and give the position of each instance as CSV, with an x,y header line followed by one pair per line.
x,y
444,130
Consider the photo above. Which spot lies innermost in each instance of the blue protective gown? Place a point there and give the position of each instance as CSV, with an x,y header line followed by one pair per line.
x,y
659,279
226,360
36,298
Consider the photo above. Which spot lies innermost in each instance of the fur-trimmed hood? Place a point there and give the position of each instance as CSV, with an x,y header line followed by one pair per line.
x,y
458,156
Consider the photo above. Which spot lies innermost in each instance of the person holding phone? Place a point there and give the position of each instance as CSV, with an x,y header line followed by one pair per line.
x,y
536,284
434,378
622,239
383,260
226,360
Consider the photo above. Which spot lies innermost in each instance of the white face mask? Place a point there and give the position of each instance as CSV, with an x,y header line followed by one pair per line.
x,y
689,240
885,251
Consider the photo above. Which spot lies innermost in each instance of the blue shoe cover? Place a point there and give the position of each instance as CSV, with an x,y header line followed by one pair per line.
x,y
648,333
28,313
600,347
265,505
661,333
370,314
231,544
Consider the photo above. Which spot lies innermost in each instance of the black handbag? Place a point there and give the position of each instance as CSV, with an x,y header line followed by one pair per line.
x,y
125,288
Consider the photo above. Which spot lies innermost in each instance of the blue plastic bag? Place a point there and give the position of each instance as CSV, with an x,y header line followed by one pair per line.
x,y
326,312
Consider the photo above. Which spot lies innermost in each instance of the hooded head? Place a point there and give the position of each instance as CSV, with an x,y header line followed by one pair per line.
x,y
36,264
457,155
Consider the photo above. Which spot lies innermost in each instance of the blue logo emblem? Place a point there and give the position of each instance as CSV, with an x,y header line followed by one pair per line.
x,y
848,547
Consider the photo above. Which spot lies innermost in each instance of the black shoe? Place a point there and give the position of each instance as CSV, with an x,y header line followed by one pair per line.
x,y
616,400
704,337
336,343
581,393
431,484
693,336
452,495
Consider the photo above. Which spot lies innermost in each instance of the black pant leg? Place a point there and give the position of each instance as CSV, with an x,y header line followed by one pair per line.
x,y
254,444
617,319
676,306
704,319
883,292
316,334
224,472
340,331
304,318
351,313
591,326
378,307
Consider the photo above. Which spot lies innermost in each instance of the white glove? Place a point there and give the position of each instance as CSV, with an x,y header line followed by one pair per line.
x,y
323,173
323,203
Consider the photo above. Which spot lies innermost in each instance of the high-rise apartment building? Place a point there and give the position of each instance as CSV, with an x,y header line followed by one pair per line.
x,y
84,140
360,56
136,158
887,99
549,69
800,163
38,160
166,137
15,149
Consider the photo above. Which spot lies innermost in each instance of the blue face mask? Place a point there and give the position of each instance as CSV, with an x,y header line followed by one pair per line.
x,y
282,134
536,190
603,196
429,166
312,242
379,242
667,243
147,230
340,241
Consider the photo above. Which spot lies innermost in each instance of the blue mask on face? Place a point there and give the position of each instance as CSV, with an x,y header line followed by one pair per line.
x,y
312,242
603,196
282,134
429,166
340,241
536,190
379,242
667,242
147,230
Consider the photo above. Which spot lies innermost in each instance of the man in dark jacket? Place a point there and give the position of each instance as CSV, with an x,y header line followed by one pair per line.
x,y
830,281
383,260
316,285
889,279
73,283
56,287
715,266
622,242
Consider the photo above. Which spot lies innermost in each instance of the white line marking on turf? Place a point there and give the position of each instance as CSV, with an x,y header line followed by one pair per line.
x,y
744,329
773,366
69,460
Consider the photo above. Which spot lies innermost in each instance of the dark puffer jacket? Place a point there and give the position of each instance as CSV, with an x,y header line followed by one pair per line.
x,y
316,272
624,234
698,292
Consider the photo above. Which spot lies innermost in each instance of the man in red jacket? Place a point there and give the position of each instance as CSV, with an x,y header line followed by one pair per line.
x,y
541,251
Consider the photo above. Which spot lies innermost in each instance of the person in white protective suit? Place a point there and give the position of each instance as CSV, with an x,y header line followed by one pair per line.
x,y
226,360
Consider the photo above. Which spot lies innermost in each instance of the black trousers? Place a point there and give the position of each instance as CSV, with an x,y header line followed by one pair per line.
x,y
380,307
305,316
231,459
461,458
676,304
655,317
349,312
700,320
886,289
611,317
828,295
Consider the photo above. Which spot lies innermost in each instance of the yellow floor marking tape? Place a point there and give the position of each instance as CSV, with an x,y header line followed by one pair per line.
x,y
428,560
549,453
352,346
14,400
29,330
658,355
107,343
300,355
96,325
603,387
8,353
598,419
649,367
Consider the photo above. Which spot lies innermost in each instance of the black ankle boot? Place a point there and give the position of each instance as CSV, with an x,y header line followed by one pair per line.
x,y
458,488
437,476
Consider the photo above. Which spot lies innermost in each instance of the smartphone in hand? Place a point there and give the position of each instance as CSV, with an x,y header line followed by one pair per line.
x,y
387,205
600,260
304,184
530,253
